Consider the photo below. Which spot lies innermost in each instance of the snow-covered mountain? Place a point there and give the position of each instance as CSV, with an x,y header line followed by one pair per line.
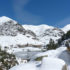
x,y
37,29
26,42
13,34
66,28
9,27
44,32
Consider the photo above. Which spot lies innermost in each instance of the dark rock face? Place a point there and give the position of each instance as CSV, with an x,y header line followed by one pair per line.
x,y
31,33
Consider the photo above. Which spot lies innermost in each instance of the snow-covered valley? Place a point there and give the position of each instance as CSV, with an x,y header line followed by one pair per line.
x,y
54,61
39,47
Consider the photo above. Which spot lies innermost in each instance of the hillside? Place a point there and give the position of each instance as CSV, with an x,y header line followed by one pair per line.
x,y
13,34
35,45
44,32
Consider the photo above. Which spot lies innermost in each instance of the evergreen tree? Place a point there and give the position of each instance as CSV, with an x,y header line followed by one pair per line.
x,y
64,37
51,45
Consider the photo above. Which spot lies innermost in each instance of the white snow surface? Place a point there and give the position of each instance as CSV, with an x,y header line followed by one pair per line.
x,y
66,28
55,61
52,64
61,53
31,49
55,57
37,29
17,40
4,19
47,64
27,66
44,32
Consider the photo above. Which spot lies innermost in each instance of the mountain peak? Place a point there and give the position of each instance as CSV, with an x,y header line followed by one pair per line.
x,y
66,28
4,19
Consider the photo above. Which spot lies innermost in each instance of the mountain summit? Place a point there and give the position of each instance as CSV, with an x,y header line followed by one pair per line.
x,y
5,19
12,33
66,28
10,27
44,32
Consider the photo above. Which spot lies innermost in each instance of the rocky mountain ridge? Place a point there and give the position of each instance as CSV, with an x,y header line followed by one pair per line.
x,y
44,32
27,43
26,34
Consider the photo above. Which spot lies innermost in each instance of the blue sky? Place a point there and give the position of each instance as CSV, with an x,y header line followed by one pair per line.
x,y
35,12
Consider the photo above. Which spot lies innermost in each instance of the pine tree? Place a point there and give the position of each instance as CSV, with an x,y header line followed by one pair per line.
x,y
51,45
64,37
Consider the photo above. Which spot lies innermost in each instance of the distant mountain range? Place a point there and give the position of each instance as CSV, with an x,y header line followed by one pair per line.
x,y
25,43
12,34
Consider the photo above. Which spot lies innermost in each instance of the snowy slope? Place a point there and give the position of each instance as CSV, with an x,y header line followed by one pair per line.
x,y
28,66
13,34
47,64
66,28
9,27
17,40
37,29
58,59
44,32
39,35
52,64
61,53
5,19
